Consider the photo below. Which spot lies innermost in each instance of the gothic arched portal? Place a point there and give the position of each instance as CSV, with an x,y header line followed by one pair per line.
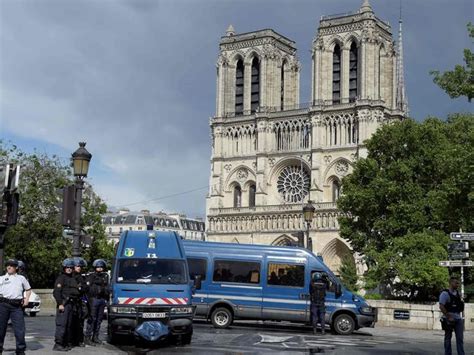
x,y
333,254
284,241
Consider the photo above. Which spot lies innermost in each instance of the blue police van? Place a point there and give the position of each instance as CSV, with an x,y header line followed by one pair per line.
x,y
260,282
151,290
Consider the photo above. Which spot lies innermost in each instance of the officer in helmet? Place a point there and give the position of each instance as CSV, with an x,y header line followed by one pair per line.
x,y
67,295
81,310
98,283
22,269
14,293
318,289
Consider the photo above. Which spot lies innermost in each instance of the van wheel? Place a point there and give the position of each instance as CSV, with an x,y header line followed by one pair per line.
x,y
221,318
111,336
32,314
344,324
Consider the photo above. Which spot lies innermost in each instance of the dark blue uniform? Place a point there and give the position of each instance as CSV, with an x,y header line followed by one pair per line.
x,y
98,295
318,306
66,292
80,311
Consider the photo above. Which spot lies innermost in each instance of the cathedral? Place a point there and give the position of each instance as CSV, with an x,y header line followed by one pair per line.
x,y
271,154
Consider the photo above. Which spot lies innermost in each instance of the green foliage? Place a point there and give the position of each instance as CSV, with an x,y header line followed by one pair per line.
x,y
38,239
348,273
460,81
414,187
373,296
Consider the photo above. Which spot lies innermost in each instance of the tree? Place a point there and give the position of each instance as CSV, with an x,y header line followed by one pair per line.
x,y
38,238
348,273
460,81
414,187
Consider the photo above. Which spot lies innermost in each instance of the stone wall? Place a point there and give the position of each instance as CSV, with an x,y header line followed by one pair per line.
x,y
422,316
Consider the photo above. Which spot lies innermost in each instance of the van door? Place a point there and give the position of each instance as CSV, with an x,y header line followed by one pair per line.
x,y
332,303
284,295
198,266
238,281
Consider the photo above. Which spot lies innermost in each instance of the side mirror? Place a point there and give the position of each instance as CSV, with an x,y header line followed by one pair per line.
x,y
197,282
338,290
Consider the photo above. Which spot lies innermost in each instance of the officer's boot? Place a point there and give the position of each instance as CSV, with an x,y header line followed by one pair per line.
x,y
96,339
88,341
59,347
315,331
323,331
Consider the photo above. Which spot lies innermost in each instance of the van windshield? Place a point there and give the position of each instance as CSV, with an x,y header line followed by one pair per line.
x,y
151,271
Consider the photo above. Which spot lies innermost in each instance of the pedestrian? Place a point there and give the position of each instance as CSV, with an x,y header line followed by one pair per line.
x,y
81,309
318,289
15,292
98,284
451,305
66,293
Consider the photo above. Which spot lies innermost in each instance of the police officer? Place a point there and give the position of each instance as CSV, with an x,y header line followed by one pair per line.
x,y
98,283
15,292
80,311
318,289
451,305
67,294
22,269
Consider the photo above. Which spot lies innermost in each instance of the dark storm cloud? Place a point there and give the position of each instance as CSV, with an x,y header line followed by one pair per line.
x,y
136,79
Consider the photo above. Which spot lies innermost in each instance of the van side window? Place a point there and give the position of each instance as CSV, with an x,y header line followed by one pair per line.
x,y
197,267
331,284
285,275
236,271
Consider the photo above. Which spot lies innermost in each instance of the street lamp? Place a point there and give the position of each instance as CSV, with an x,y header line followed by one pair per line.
x,y
81,159
308,213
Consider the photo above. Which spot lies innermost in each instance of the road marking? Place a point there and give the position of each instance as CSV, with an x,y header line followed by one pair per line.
x,y
273,338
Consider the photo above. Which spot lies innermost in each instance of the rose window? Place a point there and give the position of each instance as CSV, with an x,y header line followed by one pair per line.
x,y
293,184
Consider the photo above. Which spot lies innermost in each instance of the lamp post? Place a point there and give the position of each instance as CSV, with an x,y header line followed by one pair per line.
x,y
308,213
81,159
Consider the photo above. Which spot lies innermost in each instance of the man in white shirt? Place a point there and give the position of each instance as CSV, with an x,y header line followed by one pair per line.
x,y
15,292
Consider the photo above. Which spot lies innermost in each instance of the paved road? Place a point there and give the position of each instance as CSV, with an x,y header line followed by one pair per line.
x,y
257,338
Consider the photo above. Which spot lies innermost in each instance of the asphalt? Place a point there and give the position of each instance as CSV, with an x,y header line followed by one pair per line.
x,y
254,338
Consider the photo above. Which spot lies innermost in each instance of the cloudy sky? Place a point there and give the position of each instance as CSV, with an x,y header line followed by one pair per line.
x,y
135,79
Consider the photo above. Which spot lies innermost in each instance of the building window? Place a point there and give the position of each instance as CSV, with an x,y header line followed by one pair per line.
x,y
353,55
130,228
110,230
121,229
237,196
239,88
282,87
336,190
236,271
336,75
252,195
255,90
197,267
285,275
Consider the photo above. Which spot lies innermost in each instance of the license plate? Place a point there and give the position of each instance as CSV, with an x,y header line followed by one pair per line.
x,y
154,315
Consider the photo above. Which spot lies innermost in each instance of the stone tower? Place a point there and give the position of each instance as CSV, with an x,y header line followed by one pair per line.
x,y
271,154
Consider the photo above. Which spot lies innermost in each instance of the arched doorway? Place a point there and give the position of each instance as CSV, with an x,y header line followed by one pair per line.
x,y
333,254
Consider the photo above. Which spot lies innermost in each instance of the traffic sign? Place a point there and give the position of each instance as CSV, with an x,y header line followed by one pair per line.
x,y
459,246
456,263
459,255
461,236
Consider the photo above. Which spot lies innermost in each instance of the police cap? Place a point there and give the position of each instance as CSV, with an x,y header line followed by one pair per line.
x,y
99,263
80,262
68,263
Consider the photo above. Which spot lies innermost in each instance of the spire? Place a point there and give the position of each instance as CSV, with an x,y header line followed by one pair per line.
x,y
230,31
401,99
366,7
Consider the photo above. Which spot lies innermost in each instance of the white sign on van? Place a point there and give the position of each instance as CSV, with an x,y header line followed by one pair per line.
x,y
151,255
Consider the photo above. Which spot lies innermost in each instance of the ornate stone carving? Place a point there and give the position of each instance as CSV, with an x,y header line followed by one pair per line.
x,y
327,158
242,174
227,167
342,167
254,165
271,162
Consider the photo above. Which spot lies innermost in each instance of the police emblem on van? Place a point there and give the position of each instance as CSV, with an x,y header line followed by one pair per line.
x,y
129,252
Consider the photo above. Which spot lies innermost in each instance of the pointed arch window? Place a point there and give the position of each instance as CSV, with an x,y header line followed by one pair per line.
x,y
353,65
336,190
239,88
336,75
255,89
237,196
282,87
252,191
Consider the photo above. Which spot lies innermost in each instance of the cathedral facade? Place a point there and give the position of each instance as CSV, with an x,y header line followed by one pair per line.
x,y
271,154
